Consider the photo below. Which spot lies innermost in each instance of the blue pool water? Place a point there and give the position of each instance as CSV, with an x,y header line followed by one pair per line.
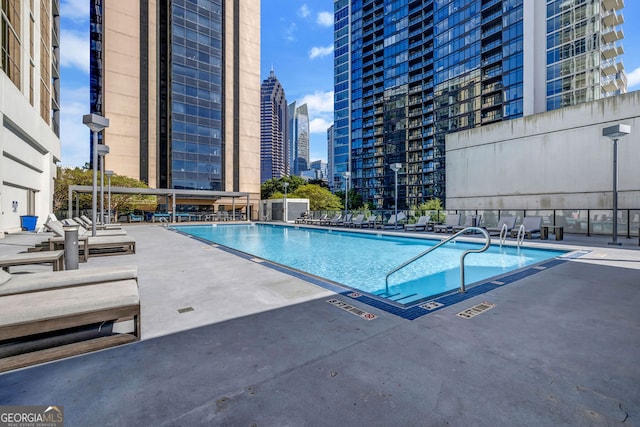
x,y
361,260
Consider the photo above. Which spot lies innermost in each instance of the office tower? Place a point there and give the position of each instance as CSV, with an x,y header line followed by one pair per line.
x,y
273,130
298,138
29,109
407,73
330,173
319,168
179,80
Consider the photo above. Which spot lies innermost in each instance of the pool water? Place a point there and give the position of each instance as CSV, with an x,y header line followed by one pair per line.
x,y
362,260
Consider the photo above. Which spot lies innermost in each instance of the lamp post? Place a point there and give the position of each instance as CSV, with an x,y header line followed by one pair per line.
x,y
286,185
103,150
96,123
346,176
109,174
614,133
395,167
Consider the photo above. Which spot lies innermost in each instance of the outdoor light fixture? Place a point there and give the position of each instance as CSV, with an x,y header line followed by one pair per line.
x,y
395,167
103,150
109,174
346,176
286,185
96,123
614,133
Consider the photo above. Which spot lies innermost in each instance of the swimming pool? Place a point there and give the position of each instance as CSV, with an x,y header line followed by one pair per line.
x,y
361,261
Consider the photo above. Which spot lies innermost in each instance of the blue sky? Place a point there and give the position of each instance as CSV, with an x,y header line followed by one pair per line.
x,y
296,41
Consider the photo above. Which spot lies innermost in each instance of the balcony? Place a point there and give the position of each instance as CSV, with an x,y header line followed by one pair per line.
x,y
612,19
611,67
610,51
612,36
613,4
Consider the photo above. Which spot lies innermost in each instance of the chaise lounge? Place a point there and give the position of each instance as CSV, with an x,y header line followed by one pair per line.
x,y
52,315
423,223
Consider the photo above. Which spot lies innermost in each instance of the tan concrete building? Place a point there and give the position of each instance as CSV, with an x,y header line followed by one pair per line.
x,y
29,110
180,83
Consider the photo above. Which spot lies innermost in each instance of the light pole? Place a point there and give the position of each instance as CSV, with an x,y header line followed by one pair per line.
x,y
103,150
286,185
109,174
395,167
96,123
614,133
346,176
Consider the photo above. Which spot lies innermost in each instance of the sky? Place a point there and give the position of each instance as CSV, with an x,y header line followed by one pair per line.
x,y
296,42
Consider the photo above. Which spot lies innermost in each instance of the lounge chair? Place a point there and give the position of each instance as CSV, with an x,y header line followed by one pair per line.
x,y
335,218
83,231
358,221
78,310
89,222
530,225
345,222
509,221
392,221
95,246
451,221
335,221
369,222
469,221
57,228
423,223
317,221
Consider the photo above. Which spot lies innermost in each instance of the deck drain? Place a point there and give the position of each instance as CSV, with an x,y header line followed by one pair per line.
x,y
475,310
257,260
351,309
497,282
185,310
431,305
539,267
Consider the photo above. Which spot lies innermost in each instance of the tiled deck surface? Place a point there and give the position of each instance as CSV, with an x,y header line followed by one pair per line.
x,y
264,348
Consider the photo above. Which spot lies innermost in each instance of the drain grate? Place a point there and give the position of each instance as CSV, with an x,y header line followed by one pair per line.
x,y
351,309
475,310
185,310
258,260
431,305
497,282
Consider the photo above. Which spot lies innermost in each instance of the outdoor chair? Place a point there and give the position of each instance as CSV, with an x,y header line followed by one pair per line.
x,y
530,225
509,221
423,223
451,221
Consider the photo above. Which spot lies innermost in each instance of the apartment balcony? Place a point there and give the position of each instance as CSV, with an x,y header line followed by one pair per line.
x,y
612,4
611,50
611,67
490,4
491,17
612,19
491,31
492,59
612,36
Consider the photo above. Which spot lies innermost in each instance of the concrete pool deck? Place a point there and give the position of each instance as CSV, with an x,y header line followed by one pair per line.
x,y
264,348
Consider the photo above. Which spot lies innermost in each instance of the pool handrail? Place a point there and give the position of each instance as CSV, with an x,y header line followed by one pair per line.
x,y
442,242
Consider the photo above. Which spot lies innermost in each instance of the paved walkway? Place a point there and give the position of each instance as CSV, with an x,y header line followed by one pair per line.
x,y
264,348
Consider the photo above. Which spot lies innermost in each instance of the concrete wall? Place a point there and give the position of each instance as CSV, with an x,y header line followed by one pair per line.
x,y
29,150
553,160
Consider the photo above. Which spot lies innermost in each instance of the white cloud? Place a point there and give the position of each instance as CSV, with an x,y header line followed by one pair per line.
x,y
318,102
74,50
290,32
75,10
319,52
633,79
319,125
304,11
325,19
74,136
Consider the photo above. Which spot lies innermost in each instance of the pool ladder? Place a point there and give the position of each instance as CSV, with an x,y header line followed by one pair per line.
x,y
505,231
431,249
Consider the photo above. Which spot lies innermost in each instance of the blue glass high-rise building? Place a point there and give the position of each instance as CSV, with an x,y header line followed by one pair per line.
x,y
409,72
273,130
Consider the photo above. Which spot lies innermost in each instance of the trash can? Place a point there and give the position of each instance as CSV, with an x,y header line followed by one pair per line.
x,y
28,222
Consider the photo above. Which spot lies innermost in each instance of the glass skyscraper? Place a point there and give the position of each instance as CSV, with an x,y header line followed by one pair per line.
x,y
409,72
181,88
298,138
273,130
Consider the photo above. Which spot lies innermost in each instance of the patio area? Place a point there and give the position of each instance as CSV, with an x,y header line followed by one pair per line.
x,y
230,341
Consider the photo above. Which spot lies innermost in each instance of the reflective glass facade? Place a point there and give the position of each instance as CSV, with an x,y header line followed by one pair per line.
x,y
196,95
298,138
273,130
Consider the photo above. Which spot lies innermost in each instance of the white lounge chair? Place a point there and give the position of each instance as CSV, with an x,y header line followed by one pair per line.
x,y
423,223
451,221
392,221
530,225
509,221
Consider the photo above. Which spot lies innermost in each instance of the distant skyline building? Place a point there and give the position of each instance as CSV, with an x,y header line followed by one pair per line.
x,y
409,73
179,81
273,130
298,138
29,110
330,158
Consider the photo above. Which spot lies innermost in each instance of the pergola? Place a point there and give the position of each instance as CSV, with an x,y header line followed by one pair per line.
x,y
174,194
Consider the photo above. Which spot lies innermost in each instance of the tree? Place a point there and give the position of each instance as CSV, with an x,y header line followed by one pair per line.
x,y
274,185
320,198
119,202
355,199
434,208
